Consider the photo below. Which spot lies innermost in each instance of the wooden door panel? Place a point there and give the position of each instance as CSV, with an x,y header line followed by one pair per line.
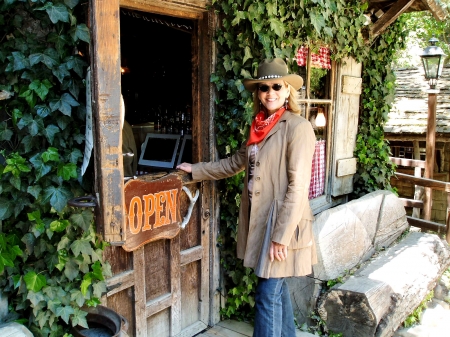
x,y
190,307
157,269
159,324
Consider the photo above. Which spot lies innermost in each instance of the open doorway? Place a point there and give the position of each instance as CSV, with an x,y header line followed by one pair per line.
x,y
156,80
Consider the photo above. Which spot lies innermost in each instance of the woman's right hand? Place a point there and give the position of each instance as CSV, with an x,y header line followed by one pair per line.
x,y
186,167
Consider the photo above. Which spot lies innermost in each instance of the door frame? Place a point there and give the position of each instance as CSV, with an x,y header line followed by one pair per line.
x,y
106,89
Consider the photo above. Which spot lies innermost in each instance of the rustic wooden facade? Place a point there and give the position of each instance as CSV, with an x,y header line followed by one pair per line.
x,y
170,287
407,127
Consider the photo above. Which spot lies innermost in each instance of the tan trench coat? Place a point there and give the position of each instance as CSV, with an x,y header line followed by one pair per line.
x,y
280,198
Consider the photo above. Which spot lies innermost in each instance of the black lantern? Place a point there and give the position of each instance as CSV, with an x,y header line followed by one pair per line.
x,y
433,62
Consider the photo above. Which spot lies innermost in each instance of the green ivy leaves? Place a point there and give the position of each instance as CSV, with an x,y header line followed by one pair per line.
x,y
51,261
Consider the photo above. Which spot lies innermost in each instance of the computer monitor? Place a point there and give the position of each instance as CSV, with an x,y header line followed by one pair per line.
x,y
159,150
185,155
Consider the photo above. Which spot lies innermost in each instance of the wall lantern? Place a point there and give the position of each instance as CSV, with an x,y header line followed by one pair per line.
x,y
433,62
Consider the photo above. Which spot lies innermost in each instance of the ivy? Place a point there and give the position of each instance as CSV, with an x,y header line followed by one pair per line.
x,y
50,256
372,150
252,30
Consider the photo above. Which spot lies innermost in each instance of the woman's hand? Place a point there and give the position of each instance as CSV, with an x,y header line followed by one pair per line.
x,y
186,167
278,251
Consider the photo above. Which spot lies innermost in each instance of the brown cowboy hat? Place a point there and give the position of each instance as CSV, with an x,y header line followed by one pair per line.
x,y
273,69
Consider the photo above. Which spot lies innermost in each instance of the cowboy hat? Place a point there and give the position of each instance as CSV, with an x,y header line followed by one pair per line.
x,y
273,69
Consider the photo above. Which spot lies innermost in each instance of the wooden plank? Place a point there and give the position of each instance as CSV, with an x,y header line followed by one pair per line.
x,y
106,115
425,224
390,16
120,282
212,204
139,291
344,167
218,331
434,184
191,255
175,282
412,203
204,100
345,126
190,291
186,9
192,329
156,305
158,324
408,162
351,85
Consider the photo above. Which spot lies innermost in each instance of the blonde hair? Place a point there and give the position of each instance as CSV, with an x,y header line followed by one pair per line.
x,y
292,101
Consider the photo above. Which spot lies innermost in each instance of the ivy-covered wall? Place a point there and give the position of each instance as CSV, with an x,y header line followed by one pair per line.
x,y
50,257
251,30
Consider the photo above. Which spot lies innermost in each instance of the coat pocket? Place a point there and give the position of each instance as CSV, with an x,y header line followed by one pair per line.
x,y
303,235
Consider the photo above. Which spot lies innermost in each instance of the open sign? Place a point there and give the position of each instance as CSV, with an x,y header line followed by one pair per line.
x,y
152,210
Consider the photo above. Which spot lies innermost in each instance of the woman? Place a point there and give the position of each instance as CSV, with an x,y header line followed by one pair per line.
x,y
275,221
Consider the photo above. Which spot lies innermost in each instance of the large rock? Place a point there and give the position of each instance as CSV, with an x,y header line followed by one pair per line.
x,y
378,298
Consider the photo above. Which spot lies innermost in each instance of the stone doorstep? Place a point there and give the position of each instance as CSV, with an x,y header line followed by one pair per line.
x,y
14,330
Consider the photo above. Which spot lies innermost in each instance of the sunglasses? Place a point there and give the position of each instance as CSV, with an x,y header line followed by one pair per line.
x,y
266,88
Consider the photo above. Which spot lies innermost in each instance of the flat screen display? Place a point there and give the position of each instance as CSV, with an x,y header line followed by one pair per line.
x,y
159,150
185,155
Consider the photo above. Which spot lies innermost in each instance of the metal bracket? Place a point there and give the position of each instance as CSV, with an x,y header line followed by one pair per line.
x,y
187,217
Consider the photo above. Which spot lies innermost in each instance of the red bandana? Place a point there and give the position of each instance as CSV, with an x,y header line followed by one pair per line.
x,y
261,127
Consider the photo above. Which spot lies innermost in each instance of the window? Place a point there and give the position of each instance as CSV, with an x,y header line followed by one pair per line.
x,y
316,106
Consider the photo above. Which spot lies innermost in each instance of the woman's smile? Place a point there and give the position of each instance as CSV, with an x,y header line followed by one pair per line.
x,y
272,95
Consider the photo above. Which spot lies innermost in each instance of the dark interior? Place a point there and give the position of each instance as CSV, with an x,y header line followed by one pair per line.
x,y
156,66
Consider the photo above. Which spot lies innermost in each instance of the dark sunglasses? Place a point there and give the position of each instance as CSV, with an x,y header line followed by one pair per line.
x,y
266,88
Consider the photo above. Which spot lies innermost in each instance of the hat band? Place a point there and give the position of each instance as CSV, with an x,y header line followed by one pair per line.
x,y
269,76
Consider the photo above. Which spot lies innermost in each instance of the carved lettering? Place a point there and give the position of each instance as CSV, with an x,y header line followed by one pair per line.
x,y
149,202
135,202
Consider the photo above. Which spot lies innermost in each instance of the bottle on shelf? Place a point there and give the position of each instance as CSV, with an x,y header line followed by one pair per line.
x,y
157,123
188,120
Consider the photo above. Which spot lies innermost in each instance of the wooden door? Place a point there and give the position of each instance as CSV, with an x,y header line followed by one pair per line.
x,y
166,287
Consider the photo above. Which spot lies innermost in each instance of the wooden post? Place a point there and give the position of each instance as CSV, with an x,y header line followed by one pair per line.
x,y
418,190
447,221
430,150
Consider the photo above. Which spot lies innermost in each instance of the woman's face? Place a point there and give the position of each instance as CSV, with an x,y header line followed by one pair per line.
x,y
273,94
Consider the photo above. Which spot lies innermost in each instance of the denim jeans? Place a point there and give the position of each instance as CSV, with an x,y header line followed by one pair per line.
x,y
274,316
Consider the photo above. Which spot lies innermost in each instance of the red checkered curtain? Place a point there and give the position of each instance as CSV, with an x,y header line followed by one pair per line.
x,y
320,60
317,184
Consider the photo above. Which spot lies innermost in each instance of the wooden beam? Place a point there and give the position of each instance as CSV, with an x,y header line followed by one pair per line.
x,y
407,162
411,203
106,86
403,137
425,224
390,16
434,184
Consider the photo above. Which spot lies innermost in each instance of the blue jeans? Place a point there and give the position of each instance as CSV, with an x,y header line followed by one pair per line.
x,y
274,316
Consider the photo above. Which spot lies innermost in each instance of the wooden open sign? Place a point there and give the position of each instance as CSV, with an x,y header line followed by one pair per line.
x,y
152,210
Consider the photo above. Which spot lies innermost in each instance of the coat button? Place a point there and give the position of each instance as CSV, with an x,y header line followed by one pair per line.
x,y
257,193
257,163
258,178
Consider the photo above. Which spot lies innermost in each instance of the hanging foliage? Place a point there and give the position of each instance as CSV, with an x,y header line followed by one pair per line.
x,y
250,31
50,257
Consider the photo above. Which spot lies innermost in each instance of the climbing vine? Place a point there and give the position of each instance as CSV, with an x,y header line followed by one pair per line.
x,y
50,257
251,30
374,167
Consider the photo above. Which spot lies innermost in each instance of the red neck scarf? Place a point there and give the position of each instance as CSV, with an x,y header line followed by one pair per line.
x,y
261,127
